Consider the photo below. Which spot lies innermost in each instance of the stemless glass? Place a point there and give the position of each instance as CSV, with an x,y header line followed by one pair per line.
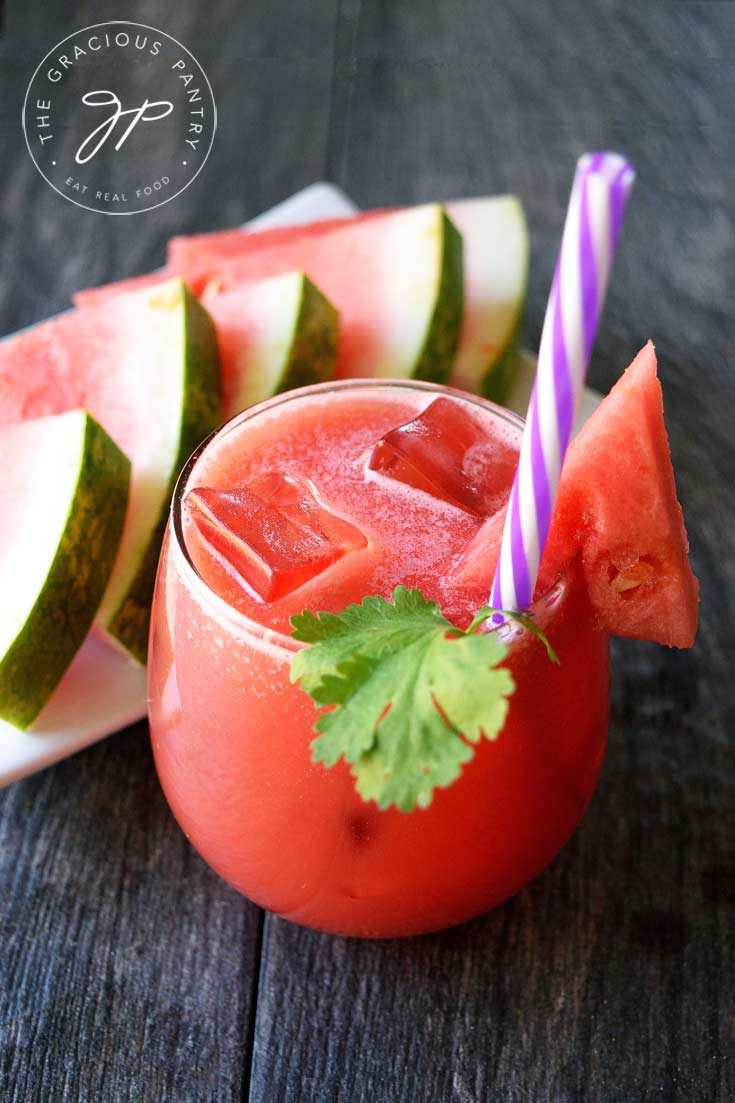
x,y
231,738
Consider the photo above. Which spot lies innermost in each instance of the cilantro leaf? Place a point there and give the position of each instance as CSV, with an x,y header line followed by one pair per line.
x,y
409,694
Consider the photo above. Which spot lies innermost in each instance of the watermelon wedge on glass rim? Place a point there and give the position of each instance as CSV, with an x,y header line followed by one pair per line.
x,y
617,511
146,367
199,252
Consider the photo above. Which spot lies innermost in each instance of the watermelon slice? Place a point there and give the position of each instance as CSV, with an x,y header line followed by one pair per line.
x,y
496,257
273,335
199,252
495,251
399,289
396,281
617,508
63,495
145,366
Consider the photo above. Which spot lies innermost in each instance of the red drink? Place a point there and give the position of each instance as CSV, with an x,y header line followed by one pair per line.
x,y
231,734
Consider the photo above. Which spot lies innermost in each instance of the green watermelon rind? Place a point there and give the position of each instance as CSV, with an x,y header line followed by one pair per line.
x,y
129,622
312,354
440,345
64,610
494,377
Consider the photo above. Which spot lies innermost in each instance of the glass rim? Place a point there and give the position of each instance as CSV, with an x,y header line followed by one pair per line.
x,y
244,623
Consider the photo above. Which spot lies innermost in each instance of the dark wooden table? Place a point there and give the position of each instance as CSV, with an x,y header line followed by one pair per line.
x,y
130,972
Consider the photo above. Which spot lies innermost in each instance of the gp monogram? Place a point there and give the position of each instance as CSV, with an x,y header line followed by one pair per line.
x,y
119,118
147,112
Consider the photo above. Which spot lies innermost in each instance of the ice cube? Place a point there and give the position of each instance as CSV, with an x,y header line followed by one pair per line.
x,y
275,533
447,453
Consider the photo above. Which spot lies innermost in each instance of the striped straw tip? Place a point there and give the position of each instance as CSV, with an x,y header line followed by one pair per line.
x,y
613,166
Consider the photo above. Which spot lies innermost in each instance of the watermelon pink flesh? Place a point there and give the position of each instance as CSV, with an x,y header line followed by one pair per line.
x,y
202,251
198,254
238,323
61,365
617,508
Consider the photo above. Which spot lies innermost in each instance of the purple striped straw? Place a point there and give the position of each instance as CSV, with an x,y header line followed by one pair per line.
x,y
602,184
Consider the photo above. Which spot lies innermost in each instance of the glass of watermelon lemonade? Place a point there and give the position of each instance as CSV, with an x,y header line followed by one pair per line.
x,y
231,733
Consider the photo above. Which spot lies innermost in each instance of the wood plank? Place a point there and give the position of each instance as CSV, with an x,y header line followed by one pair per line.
x,y
611,977
127,966
128,969
608,979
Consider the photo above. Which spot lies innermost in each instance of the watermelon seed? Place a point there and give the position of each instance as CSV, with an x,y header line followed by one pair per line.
x,y
632,577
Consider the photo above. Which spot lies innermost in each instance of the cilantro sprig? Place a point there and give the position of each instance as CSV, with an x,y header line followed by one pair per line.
x,y
524,619
406,693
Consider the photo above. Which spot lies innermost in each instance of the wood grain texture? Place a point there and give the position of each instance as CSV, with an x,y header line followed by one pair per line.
x,y
128,970
126,967
610,978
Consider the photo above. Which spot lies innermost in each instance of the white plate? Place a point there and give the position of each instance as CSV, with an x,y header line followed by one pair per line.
x,y
103,691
